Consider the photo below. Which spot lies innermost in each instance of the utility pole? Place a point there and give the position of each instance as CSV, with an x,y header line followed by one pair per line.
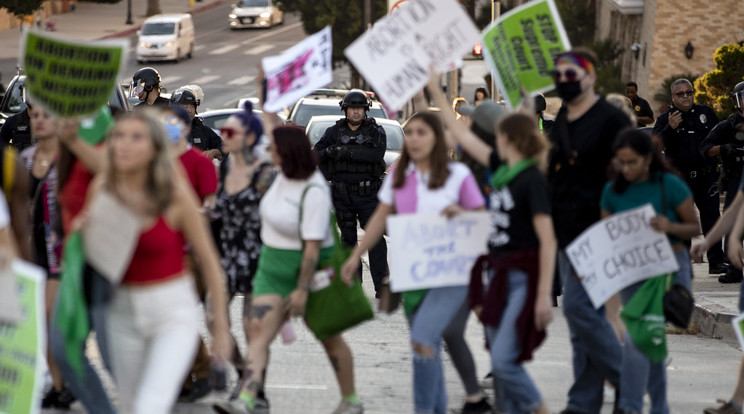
x,y
129,13
495,13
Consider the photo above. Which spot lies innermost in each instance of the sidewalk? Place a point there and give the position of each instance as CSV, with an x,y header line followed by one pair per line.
x,y
92,21
716,305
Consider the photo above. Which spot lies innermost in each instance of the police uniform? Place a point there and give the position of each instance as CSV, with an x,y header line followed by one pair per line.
x,y
203,137
353,160
17,128
729,135
682,147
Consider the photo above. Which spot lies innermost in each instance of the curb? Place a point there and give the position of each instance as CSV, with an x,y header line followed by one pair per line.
x,y
714,321
195,10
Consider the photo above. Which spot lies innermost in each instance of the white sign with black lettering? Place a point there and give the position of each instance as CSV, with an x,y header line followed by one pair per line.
x,y
618,251
395,54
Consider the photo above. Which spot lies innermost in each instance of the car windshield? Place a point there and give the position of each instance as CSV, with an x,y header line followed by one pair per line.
x,y
14,99
305,112
154,29
216,121
254,3
393,133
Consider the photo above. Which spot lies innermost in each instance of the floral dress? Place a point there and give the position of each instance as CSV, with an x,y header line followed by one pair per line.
x,y
240,233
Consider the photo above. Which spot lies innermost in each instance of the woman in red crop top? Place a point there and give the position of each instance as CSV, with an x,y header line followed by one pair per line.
x,y
152,321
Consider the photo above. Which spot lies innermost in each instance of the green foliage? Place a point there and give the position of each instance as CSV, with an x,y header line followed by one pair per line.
x,y
483,18
578,18
664,98
608,69
21,7
714,87
346,19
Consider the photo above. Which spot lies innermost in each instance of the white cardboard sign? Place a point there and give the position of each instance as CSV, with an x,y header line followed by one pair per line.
x,y
429,251
395,54
618,251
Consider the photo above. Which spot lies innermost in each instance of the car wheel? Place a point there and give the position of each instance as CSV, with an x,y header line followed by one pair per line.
x,y
178,56
191,52
282,19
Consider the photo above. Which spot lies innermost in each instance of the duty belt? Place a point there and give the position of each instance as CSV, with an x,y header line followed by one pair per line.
x,y
700,172
359,187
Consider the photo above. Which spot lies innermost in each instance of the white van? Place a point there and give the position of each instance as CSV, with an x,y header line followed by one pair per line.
x,y
166,37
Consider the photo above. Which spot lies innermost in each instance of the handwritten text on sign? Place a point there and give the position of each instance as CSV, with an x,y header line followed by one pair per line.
x,y
618,251
428,250
297,72
395,54
70,77
520,48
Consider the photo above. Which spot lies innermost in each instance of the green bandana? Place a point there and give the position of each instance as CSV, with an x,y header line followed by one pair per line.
x,y
505,173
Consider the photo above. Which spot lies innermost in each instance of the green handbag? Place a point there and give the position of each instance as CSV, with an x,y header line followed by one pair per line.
x,y
332,305
644,318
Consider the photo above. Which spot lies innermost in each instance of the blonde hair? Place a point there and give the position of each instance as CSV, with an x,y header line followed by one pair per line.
x,y
623,103
160,184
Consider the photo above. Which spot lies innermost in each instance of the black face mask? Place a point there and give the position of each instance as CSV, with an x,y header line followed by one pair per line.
x,y
568,91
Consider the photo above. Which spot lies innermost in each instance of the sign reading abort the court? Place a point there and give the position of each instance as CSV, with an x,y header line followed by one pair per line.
x,y
70,78
618,251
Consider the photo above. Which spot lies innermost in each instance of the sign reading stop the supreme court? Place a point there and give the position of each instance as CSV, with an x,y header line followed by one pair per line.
x,y
618,251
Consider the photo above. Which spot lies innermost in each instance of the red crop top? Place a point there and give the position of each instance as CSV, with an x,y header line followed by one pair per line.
x,y
159,255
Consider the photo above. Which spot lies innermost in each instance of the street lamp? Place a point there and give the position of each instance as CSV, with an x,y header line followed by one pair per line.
x,y
129,13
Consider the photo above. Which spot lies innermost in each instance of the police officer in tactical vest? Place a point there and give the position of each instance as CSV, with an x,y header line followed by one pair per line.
x,y
351,156
727,140
17,130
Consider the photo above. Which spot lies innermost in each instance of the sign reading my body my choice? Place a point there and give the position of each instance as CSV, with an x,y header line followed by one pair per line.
x,y
429,250
618,251
70,77
521,46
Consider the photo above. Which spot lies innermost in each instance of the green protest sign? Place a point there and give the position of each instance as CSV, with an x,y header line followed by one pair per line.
x,y
22,345
520,48
69,77
94,128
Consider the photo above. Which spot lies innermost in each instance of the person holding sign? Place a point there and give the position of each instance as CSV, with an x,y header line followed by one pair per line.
x,y
643,178
522,253
152,316
425,181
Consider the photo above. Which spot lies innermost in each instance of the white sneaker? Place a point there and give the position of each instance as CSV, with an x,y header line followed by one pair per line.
x,y
345,407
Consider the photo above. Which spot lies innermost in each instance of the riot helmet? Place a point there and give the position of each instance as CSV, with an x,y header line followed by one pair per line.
x,y
737,96
184,96
144,80
355,98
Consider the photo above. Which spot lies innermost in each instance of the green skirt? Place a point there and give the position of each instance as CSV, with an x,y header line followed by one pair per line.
x,y
278,270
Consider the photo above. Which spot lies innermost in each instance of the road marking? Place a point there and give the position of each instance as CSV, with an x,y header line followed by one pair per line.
x,y
243,80
272,32
199,47
171,79
205,80
257,50
224,49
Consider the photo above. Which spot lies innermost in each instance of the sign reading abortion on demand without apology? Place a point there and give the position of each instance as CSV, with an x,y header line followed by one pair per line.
x,y
70,77
618,251
429,250
395,54
298,71
520,48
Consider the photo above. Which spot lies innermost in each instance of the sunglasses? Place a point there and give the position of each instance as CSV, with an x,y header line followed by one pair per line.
x,y
228,132
570,75
684,93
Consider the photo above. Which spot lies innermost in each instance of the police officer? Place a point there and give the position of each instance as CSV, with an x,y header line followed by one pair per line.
x,y
201,136
642,110
16,130
727,140
146,86
351,157
683,127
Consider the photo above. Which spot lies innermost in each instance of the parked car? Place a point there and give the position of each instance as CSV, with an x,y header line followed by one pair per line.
x,y
255,13
326,102
166,37
15,97
393,131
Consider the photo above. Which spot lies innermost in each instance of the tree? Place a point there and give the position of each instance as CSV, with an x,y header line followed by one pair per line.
x,y
153,8
608,69
21,8
714,87
346,19
578,18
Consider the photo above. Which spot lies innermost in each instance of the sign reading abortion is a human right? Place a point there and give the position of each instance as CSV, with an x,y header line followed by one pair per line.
x,y
618,251
429,250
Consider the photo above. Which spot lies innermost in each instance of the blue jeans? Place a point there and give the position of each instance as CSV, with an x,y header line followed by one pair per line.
x,y
515,391
639,375
597,353
427,324
89,389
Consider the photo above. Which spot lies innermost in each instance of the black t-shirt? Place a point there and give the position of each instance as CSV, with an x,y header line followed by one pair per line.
x,y
512,211
642,108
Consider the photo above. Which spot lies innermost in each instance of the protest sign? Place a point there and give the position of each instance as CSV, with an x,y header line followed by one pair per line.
x,y
395,54
429,250
520,48
71,77
22,345
618,251
298,71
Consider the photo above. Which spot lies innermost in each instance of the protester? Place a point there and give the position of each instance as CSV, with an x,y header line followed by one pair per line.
x,y
480,95
424,181
14,179
545,125
456,104
644,115
683,127
644,178
152,319
582,138
289,256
